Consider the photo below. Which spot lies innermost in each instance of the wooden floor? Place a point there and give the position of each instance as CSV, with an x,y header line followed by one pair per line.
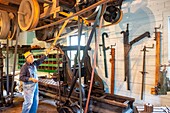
x,y
46,105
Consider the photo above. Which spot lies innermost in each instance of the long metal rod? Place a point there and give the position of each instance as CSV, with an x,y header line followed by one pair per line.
x,y
75,14
144,69
146,34
7,67
96,48
1,77
143,72
127,48
80,28
15,58
104,53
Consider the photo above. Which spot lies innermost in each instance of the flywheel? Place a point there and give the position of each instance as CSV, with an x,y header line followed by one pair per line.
x,y
4,24
113,15
91,14
28,14
13,26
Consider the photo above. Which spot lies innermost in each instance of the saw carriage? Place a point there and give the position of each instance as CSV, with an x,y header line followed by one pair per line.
x,y
64,87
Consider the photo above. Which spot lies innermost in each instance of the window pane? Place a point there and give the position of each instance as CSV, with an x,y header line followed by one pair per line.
x,y
74,40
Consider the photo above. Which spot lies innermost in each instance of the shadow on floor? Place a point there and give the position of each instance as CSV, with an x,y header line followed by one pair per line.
x,y
46,105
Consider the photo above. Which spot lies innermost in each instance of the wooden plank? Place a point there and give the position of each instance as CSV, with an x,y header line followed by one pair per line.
x,y
112,61
47,13
140,109
8,8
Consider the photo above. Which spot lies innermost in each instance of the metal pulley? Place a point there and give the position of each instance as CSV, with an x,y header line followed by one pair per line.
x,y
113,14
4,24
13,26
44,34
28,14
91,14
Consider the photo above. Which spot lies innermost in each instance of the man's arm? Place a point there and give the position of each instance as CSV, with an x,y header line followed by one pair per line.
x,y
40,61
23,74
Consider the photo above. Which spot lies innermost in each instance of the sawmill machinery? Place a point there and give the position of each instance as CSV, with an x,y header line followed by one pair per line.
x,y
45,17
8,25
63,86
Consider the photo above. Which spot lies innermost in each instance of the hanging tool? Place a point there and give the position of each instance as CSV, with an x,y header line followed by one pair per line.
x,y
112,61
144,69
127,47
104,52
158,52
158,59
15,57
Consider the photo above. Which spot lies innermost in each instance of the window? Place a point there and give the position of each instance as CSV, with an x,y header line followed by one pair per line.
x,y
73,41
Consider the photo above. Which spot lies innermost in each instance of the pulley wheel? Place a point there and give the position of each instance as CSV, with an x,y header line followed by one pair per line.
x,y
36,14
4,24
113,15
91,14
13,26
28,14
45,34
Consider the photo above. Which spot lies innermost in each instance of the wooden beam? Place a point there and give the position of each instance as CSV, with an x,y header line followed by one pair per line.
x,y
158,59
47,12
112,61
75,14
8,8
17,2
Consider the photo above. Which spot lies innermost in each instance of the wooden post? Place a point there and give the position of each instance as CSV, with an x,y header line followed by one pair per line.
x,y
112,61
157,68
157,60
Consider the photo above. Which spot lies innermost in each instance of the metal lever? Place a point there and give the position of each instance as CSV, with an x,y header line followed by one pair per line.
x,y
104,52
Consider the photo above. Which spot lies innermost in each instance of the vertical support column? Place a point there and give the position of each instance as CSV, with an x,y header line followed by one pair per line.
x,y
112,61
157,60
158,45
7,67
1,78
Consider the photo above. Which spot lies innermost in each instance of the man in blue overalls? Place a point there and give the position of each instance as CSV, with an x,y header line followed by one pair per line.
x,y
28,74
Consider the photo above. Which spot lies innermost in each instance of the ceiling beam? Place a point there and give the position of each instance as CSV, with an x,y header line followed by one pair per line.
x,y
8,8
17,2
